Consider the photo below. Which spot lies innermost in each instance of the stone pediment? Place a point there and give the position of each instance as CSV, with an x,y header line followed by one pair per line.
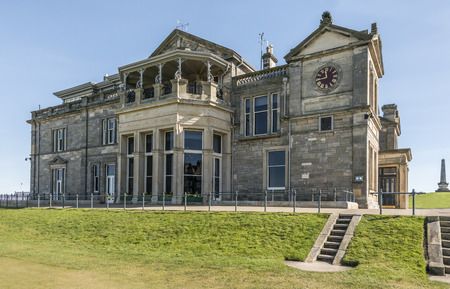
x,y
57,161
327,37
181,40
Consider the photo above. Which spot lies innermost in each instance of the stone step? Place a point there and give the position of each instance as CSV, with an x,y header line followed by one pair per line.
x,y
445,244
337,232
445,224
341,226
344,216
446,261
325,258
336,239
447,269
446,252
445,230
334,245
445,236
328,251
343,221
444,218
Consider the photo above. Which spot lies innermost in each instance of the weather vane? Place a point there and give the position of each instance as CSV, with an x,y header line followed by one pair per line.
x,y
182,26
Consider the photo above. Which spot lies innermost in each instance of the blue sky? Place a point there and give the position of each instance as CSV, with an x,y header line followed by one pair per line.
x,y
46,46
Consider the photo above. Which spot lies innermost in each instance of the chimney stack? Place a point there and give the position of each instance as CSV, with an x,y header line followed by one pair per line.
x,y
269,60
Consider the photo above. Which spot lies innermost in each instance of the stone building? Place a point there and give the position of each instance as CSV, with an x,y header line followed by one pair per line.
x,y
196,117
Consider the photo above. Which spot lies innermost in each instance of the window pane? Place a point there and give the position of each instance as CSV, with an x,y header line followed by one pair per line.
x,y
217,167
130,145
247,106
148,185
168,184
192,164
192,140
275,121
148,143
276,158
276,177
326,123
193,184
247,125
130,167
217,143
261,122
274,101
149,166
260,103
110,170
169,141
169,159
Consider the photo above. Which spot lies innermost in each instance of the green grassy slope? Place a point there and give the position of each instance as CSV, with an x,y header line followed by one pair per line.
x,y
432,201
117,249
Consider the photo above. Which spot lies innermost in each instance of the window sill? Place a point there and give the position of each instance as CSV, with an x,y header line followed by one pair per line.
x,y
256,137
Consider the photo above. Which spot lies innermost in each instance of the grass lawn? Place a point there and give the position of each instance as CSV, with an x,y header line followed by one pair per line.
x,y
432,201
117,249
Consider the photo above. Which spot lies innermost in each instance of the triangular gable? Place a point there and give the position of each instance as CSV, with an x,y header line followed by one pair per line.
x,y
182,40
327,37
57,161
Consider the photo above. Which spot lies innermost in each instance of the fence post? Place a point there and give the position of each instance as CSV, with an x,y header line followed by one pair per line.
x,y
414,202
17,201
380,195
107,201
125,201
92,200
265,200
334,191
50,197
143,201
63,199
164,201
39,200
294,192
27,200
78,198
319,201
6,201
236,201
209,201
185,200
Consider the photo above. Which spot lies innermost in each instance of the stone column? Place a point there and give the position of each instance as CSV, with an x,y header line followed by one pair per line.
x,y
443,185
136,167
207,164
209,90
158,166
179,86
178,165
227,171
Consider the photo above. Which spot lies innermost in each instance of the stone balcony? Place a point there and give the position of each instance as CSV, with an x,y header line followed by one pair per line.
x,y
176,88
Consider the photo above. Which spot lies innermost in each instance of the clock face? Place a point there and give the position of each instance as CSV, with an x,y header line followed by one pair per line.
x,y
327,77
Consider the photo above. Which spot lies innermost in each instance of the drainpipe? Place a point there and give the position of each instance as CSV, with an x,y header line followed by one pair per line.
x,y
38,156
86,152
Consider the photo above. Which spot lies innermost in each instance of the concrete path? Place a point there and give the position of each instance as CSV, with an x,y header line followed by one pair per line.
x,y
395,212
317,266
444,279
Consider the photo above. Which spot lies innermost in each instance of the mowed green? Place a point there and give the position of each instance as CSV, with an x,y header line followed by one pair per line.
x,y
117,249
432,201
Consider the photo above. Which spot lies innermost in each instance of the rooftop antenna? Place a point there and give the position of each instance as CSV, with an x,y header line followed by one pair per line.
x,y
182,26
261,42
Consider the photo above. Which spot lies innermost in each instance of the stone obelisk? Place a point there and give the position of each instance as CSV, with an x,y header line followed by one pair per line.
x,y
443,185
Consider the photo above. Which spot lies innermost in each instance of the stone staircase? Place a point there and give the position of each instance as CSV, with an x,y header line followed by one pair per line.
x,y
334,239
331,246
445,241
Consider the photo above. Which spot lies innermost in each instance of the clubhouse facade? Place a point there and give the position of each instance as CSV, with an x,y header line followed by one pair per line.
x,y
195,117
